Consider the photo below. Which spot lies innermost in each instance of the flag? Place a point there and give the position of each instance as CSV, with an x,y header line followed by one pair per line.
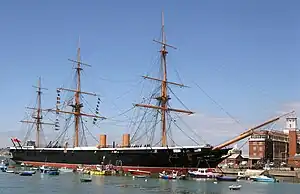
x,y
16,140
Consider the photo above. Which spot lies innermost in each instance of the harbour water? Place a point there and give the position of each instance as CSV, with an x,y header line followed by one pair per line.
x,y
70,183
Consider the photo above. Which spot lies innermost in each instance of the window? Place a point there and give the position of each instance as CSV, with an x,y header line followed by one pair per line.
x,y
260,148
254,153
254,148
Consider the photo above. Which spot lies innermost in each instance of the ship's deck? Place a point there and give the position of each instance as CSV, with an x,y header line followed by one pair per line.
x,y
111,149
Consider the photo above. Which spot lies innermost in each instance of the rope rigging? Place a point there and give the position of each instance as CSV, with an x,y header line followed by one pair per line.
x,y
219,106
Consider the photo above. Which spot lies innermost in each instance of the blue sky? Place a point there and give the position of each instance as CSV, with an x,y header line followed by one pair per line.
x,y
244,54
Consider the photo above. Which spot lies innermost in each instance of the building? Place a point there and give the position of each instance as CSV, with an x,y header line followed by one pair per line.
x,y
235,160
275,146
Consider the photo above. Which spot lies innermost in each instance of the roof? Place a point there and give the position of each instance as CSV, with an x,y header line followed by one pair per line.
x,y
234,156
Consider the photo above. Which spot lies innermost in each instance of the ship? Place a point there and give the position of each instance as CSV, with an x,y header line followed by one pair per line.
x,y
147,157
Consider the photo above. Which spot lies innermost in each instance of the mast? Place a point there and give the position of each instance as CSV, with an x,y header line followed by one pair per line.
x,y
38,118
164,97
77,106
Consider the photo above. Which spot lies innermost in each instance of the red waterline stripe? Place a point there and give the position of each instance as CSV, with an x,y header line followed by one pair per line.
x,y
125,168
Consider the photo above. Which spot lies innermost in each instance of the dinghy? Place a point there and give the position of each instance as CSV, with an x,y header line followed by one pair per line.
x,y
27,173
85,178
235,187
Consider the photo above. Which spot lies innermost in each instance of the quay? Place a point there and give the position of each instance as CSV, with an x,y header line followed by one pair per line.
x,y
285,175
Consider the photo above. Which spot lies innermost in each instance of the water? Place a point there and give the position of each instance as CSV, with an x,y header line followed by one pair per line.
x,y
70,184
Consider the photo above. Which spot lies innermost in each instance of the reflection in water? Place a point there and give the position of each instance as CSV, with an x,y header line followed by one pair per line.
x,y
99,180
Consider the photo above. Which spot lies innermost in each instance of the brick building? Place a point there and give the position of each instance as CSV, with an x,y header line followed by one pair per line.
x,y
275,146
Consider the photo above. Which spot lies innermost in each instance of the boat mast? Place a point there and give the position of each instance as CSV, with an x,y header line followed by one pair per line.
x,y
38,118
77,92
77,105
164,97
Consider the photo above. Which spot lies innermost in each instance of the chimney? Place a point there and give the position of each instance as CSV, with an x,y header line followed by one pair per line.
x,y
126,140
103,141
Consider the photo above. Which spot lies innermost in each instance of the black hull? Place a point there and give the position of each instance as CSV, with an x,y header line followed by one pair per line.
x,y
187,158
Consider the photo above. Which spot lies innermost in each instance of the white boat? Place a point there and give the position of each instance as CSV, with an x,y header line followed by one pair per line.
x,y
173,175
202,173
65,170
165,175
263,178
80,170
235,187
44,169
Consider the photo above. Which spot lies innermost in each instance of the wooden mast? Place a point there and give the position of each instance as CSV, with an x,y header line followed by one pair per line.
x,y
38,118
77,105
164,97
77,92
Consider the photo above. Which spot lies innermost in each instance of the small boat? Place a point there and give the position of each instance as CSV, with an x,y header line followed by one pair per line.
x,y
65,170
3,165
202,173
3,168
79,169
10,171
139,172
85,178
140,176
26,173
34,168
226,178
173,175
96,172
26,165
53,171
235,187
264,178
44,169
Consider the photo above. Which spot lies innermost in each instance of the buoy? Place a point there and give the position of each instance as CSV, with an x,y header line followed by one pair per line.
x,y
133,177
146,180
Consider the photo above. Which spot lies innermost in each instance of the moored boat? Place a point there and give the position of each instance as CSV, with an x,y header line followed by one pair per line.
x,y
97,172
44,169
202,173
140,176
26,173
65,170
139,172
53,171
173,175
264,178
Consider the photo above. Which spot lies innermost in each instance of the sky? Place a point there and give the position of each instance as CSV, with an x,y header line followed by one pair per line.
x,y
243,54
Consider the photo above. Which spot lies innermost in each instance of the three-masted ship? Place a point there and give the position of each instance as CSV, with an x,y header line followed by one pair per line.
x,y
152,158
